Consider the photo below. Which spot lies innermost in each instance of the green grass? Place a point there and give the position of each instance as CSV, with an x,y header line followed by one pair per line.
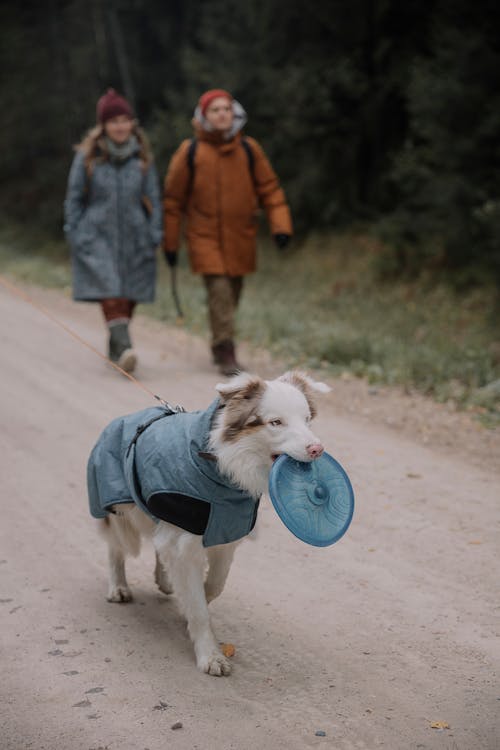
x,y
34,259
321,305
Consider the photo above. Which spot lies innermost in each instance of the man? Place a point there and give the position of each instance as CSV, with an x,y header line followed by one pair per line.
x,y
217,181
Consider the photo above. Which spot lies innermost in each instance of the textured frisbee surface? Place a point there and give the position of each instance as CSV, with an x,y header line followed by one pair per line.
x,y
314,500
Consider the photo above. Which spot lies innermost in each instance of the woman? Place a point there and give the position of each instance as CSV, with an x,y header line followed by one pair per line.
x,y
217,181
113,221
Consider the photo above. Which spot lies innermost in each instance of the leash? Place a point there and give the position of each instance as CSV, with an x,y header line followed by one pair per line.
x,y
175,294
26,298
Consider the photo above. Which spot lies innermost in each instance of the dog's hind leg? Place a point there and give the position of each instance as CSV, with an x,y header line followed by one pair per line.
x,y
219,561
122,539
185,558
118,590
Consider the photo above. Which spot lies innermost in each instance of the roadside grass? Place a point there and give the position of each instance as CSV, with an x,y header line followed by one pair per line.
x,y
33,258
321,305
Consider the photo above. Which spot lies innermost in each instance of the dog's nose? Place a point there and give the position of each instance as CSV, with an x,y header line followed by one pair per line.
x,y
315,450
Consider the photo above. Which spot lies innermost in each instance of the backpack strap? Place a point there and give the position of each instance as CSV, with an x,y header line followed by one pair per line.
x,y
251,158
190,162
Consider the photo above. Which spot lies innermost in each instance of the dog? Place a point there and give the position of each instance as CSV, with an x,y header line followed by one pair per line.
x,y
192,482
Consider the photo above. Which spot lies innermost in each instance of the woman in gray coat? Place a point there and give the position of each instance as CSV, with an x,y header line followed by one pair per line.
x,y
113,221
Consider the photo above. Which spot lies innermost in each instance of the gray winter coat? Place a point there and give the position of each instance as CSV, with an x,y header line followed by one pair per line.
x,y
112,237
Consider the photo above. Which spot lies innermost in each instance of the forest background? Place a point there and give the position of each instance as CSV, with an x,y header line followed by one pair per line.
x,y
381,117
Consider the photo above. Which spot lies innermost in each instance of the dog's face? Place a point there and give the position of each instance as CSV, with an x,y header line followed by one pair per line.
x,y
264,419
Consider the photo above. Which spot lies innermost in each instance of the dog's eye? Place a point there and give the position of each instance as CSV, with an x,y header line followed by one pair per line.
x,y
276,422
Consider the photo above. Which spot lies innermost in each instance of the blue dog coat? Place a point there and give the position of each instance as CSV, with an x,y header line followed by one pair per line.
x,y
153,454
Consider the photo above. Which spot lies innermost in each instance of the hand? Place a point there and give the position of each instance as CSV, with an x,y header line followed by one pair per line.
x,y
282,240
171,257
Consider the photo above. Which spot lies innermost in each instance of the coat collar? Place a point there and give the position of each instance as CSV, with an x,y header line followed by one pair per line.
x,y
217,139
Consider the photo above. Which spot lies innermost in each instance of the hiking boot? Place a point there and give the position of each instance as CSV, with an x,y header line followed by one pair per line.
x,y
120,347
225,358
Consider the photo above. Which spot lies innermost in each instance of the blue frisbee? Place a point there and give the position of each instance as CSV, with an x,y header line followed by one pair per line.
x,y
314,500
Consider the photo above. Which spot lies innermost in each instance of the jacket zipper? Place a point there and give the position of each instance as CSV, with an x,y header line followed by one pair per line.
x,y
119,257
219,209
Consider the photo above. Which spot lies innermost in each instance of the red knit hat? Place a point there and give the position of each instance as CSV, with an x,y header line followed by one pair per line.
x,y
111,105
209,96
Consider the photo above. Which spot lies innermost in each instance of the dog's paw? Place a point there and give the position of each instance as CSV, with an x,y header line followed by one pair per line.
x,y
119,594
215,664
165,589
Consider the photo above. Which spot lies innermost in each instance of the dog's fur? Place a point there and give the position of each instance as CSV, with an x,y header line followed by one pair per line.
x,y
261,420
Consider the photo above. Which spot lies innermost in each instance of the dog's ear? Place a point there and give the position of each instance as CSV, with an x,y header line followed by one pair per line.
x,y
242,387
241,396
306,385
302,381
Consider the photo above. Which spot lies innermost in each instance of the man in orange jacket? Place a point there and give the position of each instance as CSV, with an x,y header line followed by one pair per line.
x,y
217,181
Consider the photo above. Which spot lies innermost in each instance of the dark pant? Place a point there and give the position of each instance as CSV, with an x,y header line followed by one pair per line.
x,y
223,296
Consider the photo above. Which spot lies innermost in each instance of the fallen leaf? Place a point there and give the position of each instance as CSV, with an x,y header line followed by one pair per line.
x,y
439,725
411,475
475,541
228,649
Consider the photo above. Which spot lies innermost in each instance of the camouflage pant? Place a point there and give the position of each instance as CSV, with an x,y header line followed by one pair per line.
x,y
223,296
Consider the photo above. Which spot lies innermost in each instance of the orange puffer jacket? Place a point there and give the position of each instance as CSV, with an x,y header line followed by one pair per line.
x,y
220,202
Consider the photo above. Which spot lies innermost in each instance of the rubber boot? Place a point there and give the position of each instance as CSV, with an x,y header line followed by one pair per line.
x,y
225,358
120,347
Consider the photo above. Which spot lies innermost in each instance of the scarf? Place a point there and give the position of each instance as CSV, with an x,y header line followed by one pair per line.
x,y
120,152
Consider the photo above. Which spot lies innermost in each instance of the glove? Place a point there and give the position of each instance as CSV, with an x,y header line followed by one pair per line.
x,y
171,257
282,240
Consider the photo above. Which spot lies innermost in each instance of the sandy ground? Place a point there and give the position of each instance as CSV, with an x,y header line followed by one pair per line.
x,y
368,641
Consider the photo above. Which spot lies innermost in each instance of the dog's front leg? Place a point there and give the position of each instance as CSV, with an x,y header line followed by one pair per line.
x,y
219,561
185,558
161,577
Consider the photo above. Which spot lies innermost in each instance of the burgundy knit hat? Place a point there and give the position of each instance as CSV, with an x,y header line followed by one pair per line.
x,y
111,105
209,96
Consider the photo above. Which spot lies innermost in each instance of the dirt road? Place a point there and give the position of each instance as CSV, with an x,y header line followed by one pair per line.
x,y
369,641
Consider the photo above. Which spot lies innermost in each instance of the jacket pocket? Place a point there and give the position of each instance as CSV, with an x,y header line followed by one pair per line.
x,y
143,239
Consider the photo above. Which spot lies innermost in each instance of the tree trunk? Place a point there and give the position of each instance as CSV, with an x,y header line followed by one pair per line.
x,y
121,53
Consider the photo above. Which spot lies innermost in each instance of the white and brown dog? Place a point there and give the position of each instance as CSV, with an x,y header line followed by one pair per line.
x,y
247,427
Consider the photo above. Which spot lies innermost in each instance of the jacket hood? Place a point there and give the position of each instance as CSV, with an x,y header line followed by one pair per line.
x,y
239,121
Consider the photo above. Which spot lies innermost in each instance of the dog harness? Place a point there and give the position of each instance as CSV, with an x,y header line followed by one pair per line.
x,y
159,459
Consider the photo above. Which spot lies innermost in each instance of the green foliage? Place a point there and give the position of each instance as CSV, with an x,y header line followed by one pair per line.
x,y
323,306
32,256
323,83
383,112
445,179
